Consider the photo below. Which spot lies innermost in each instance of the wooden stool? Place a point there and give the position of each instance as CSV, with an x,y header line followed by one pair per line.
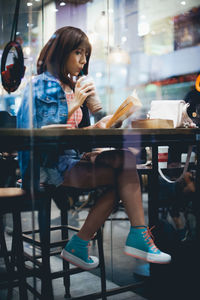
x,y
15,200
64,227
12,201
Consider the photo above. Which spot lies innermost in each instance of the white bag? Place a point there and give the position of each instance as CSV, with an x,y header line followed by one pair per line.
x,y
175,110
184,169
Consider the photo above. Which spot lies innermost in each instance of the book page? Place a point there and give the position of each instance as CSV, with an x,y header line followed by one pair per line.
x,y
127,108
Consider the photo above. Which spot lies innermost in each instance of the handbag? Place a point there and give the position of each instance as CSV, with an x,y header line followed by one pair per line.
x,y
185,169
175,110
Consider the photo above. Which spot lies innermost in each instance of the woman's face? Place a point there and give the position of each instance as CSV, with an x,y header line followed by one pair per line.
x,y
76,61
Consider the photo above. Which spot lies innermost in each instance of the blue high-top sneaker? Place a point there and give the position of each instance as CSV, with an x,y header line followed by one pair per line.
x,y
140,244
76,252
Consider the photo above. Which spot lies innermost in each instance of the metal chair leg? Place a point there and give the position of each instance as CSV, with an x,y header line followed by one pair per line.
x,y
65,235
5,255
101,263
44,225
17,235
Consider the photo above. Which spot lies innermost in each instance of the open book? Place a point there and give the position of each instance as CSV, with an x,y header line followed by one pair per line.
x,y
127,108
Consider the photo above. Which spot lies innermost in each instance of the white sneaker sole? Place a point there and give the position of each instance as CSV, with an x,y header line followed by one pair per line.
x,y
163,258
79,262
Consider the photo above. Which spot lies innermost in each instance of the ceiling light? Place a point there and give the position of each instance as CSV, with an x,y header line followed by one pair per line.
x,y
62,3
29,4
183,2
119,56
124,39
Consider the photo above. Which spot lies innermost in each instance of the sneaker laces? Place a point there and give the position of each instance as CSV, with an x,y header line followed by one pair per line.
x,y
88,246
149,238
89,257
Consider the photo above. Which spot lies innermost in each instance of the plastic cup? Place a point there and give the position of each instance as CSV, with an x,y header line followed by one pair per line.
x,y
93,102
184,157
163,156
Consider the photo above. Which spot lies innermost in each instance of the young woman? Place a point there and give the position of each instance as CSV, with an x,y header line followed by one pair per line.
x,y
57,98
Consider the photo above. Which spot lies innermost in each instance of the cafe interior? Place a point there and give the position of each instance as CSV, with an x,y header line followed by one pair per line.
x,y
148,51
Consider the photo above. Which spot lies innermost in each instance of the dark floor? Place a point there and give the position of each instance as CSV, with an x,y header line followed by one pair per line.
x,y
177,280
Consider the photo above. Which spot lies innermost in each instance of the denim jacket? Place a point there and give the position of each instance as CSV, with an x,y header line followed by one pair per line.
x,y
49,106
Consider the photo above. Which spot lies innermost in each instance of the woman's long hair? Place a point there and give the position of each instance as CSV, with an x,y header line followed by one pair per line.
x,y
55,53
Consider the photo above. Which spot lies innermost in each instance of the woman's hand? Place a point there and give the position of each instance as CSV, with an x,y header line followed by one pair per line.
x,y
82,91
91,156
102,123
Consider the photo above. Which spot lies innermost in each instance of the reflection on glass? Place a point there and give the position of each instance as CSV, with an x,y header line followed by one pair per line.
x,y
151,46
143,39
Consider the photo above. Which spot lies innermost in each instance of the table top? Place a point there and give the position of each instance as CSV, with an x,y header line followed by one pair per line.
x,y
73,138
97,131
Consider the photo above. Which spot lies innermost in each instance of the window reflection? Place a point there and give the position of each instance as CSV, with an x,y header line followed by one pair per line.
x,y
148,46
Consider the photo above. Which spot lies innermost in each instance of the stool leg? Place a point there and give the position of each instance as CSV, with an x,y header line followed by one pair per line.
x,y
17,239
101,263
64,221
5,256
44,226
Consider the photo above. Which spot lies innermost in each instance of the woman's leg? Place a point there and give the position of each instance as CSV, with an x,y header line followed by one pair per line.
x,y
114,168
126,182
139,242
98,215
86,175
118,170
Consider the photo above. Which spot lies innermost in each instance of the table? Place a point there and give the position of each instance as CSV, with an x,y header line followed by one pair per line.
x,y
23,138
43,139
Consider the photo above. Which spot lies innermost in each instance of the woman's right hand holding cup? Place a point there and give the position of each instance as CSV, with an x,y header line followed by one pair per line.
x,y
83,90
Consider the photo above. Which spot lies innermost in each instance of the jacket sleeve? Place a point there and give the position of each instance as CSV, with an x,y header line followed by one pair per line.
x,y
26,116
26,119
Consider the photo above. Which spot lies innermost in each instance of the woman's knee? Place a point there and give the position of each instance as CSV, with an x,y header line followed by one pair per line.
x,y
117,159
89,176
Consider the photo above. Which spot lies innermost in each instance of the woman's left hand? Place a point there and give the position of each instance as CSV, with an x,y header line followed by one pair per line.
x,y
102,123
91,156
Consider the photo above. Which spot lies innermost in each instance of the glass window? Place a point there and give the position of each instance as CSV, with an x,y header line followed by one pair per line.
x,y
136,45
151,47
